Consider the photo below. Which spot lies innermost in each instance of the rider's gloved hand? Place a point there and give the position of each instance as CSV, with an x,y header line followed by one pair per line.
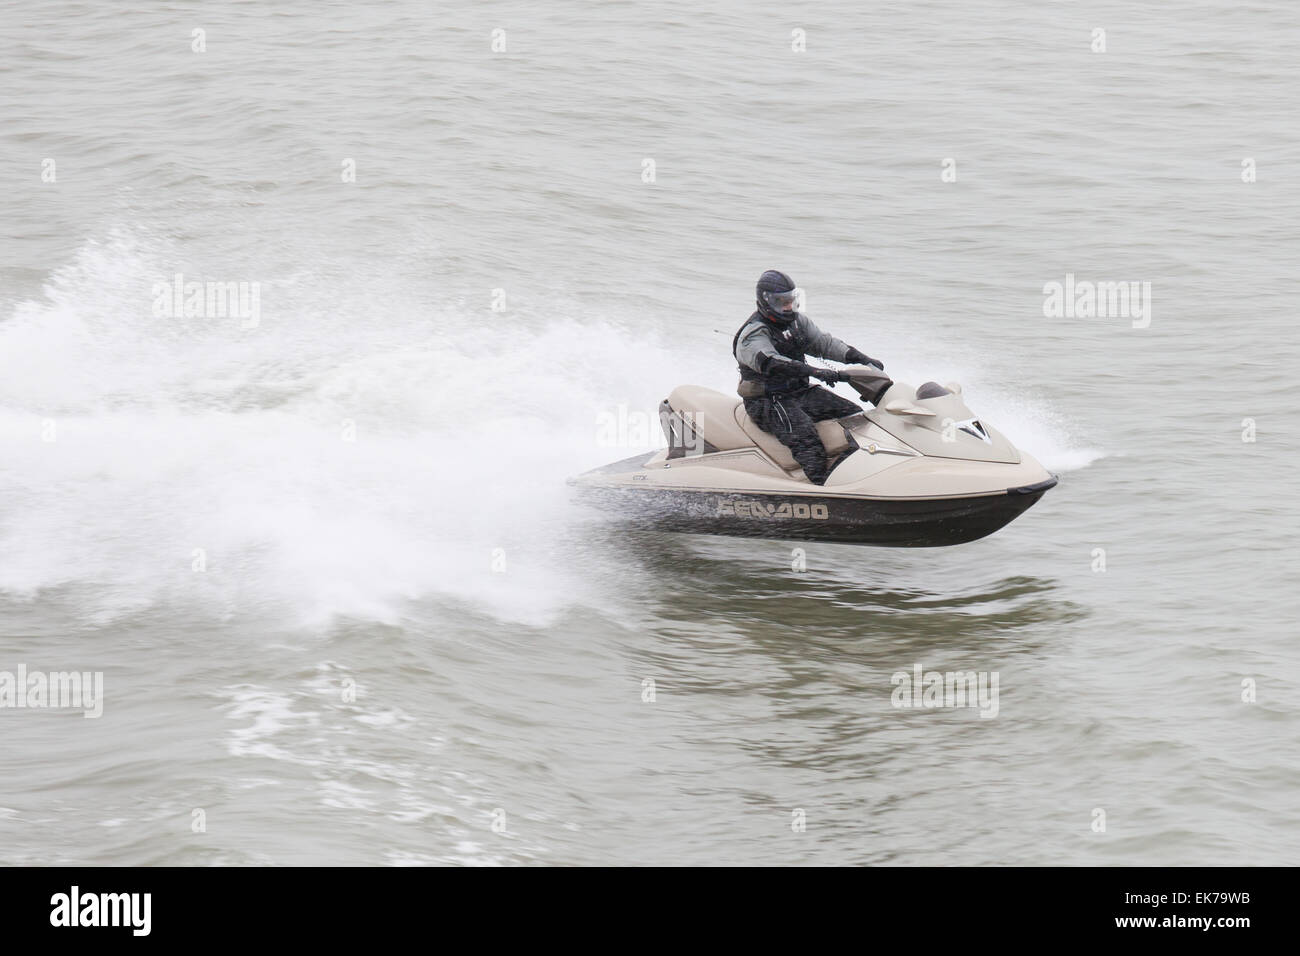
x,y
854,357
828,375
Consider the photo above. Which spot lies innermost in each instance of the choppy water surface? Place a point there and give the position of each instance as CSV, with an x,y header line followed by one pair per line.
x,y
327,563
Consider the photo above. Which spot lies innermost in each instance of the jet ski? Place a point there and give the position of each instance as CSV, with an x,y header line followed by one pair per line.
x,y
917,470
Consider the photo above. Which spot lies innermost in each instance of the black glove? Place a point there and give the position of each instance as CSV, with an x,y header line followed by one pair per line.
x,y
854,357
828,375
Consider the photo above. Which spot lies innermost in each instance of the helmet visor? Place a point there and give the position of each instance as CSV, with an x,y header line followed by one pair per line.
x,y
785,303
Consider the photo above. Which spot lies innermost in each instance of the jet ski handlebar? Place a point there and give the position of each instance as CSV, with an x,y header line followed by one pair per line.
x,y
867,380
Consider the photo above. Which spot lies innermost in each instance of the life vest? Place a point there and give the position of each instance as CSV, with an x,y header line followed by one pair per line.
x,y
789,341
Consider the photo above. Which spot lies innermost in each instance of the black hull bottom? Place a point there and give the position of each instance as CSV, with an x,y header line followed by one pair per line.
x,y
924,523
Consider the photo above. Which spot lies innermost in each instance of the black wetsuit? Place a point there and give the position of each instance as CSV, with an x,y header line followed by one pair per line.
x,y
774,385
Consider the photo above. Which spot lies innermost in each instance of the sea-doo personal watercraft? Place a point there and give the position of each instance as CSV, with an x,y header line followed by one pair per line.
x,y
917,470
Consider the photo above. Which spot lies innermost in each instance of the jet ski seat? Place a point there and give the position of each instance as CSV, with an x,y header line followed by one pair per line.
x,y
712,414
831,433
722,421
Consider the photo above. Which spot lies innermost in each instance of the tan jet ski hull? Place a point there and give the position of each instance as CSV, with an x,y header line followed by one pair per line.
x,y
927,474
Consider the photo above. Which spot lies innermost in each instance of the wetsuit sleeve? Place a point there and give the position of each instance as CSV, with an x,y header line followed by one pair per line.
x,y
754,349
821,343
791,365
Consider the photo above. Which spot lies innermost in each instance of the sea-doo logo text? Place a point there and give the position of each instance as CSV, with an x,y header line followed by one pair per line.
x,y
102,909
759,509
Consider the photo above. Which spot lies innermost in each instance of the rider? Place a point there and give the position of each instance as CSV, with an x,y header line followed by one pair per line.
x,y
770,348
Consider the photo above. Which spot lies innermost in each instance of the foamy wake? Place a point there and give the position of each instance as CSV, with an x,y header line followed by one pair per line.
x,y
347,457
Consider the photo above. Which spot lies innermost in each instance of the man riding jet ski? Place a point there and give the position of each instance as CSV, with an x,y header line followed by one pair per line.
x,y
918,469
771,348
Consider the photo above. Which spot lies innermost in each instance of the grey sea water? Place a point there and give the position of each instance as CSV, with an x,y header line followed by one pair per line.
x,y
324,556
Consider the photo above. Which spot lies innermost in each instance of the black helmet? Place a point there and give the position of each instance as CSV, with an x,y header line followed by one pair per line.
x,y
778,298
